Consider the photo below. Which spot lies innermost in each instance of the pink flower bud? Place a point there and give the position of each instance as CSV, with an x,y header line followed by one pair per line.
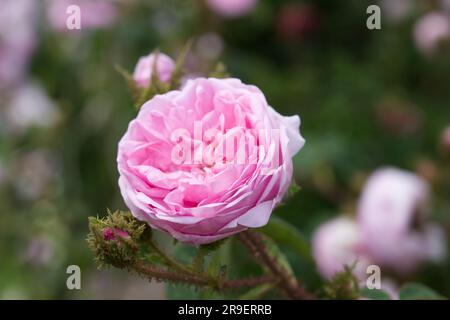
x,y
143,71
110,234
336,244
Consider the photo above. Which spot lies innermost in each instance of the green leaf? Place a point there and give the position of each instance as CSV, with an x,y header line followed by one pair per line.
x,y
375,294
277,254
286,234
258,292
417,291
203,251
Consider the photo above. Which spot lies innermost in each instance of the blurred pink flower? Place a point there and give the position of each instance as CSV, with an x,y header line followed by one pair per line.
x,y
17,39
94,13
392,217
297,21
40,251
29,106
396,10
446,138
33,172
398,117
209,46
430,30
231,8
338,243
216,192
143,71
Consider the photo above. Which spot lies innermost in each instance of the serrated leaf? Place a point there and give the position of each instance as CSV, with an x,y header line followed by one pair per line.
x,y
288,235
375,294
417,291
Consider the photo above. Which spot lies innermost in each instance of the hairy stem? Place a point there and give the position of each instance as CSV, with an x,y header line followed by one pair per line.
x,y
151,272
254,243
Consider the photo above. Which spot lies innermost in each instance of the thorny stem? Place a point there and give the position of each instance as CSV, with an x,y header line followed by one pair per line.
x,y
152,272
188,275
256,246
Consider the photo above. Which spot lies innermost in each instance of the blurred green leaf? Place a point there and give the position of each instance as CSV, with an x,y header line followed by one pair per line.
x,y
288,235
417,291
375,294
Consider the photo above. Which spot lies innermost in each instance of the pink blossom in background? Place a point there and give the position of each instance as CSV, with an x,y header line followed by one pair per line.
x,y
446,138
214,196
29,106
231,8
392,215
17,39
397,10
94,13
297,21
34,172
143,71
430,30
40,251
209,46
338,243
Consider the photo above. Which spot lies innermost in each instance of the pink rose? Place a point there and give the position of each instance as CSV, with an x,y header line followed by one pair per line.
x,y
338,243
207,161
430,31
143,71
392,217
231,8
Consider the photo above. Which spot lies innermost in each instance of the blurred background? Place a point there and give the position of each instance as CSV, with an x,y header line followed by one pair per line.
x,y
367,98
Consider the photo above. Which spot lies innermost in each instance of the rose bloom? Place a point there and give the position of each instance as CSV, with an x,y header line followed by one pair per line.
x,y
392,215
430,30
338,243
231,8
204,193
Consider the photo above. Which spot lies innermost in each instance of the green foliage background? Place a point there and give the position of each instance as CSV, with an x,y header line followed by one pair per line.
x,y
336,79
